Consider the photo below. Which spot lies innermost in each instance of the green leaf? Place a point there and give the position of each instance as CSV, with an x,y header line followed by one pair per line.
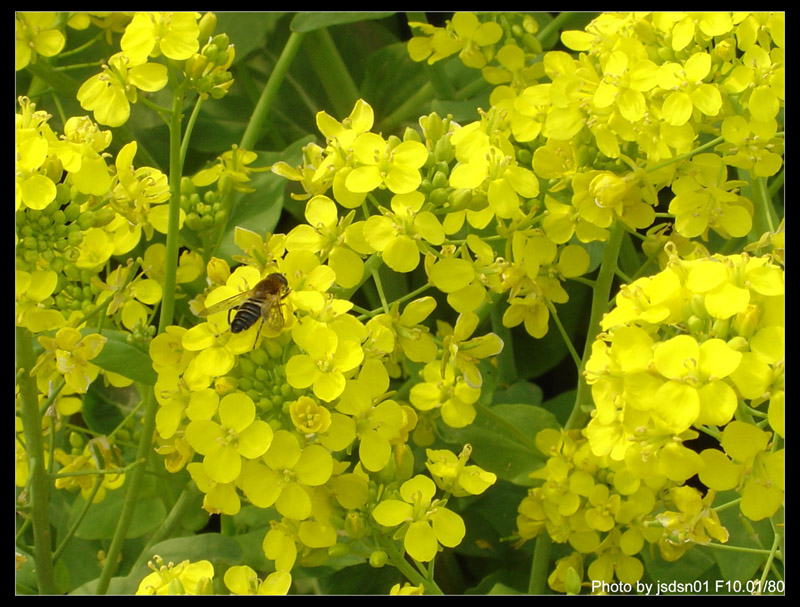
x,y
546,353
204,546
101,407
741,565
124,358
257,211
502,439
308,22
247,30
102,519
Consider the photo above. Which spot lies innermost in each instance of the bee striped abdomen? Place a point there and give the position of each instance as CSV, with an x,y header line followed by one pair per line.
x,y
246,315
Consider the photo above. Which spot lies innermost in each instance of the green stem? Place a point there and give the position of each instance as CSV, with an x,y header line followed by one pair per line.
x,y
567,341
165,319
190,127
399,561
131,498
539,564
506,364
175,176
98,482
186,500
332,71
600,297
37,475
259,116
412,106
556,24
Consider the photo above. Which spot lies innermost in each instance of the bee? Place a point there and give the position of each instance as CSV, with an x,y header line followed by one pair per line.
x,y
263,301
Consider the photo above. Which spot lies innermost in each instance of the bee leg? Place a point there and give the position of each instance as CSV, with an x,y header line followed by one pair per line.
x,y
258,332
230,311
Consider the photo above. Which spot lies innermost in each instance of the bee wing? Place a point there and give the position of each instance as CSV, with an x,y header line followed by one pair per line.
x,y
272,313
226,304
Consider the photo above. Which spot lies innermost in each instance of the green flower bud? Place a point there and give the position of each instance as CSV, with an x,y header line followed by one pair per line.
x,y
187,186
62,194
532,44
273,348
104,217
461,198
210,52
378,559
444,150
721,328
259,357
221,41
76,440
739,343
432,126
86,220
696,325
698,306
354,525
439,196
411,135
193,221
207,25
440,180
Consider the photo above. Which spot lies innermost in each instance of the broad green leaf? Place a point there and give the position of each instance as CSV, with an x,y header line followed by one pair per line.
x,y
736,565
102,519
308,22
124,358
502,440
101,407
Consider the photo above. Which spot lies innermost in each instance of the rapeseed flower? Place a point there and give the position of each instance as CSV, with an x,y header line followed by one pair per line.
x,y
400,235
391,164
184,578
175,35
110,93
37,34
237,435
285,475
425,522
69,353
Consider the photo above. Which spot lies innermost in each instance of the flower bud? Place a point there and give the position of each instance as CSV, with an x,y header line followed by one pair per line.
x,y
378,559
103,217
86,220
354,525
411,135
746,321
221,41
206,25
432,126
461,198
440,180
443,150
721,328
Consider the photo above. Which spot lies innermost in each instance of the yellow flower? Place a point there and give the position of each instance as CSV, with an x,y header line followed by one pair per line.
x,y
36,33
68,354
151,34
110,93
184,578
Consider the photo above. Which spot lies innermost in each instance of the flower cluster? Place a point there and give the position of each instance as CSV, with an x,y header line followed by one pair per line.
x,y
696,347
692,347
288,379
597,506
79,209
